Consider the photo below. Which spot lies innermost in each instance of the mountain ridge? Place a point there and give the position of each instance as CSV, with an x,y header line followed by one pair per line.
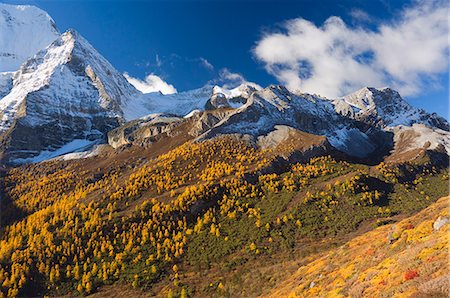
x,y
69,93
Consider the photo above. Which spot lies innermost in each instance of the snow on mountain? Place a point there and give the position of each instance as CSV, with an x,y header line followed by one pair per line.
x,y
275,105
24,30
181,103
420,136
77,145
67,91
153,103
384,107
223,97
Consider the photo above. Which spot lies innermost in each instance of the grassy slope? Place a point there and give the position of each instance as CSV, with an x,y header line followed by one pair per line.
x,y
414,262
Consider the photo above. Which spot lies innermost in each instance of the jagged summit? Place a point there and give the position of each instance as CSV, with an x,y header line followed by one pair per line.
x,y
73,75
67,91
24,30
276,105
384,107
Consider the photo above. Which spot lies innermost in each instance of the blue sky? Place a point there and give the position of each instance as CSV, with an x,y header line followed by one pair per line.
x,y
190,43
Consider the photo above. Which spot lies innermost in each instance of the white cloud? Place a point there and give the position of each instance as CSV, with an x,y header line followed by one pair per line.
x,y
158,61
206,64
151,83
360,15
226,75
229,80
335,59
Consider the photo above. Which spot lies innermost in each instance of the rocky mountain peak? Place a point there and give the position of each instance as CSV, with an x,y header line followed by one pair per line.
x,y
384,107
369,98
63,93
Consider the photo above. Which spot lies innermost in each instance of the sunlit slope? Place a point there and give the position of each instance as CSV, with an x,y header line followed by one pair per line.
x,y
212,218
409,258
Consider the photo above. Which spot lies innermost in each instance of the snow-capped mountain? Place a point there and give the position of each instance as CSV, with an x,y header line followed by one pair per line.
x,y
67,97
185,102
66,92
275,105
384,107
259,114
24,30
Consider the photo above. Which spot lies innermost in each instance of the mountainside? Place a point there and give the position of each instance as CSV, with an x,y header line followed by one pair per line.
x,y
66,92
220,191
370,133
219,218
408,259
24,30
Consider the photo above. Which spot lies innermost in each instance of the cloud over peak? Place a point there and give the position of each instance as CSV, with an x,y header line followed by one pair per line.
x,y
151,83
335,59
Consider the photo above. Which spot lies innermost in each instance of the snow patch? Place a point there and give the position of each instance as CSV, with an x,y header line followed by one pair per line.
x,y
96,149
76,145
424,137
351,141
179,103
192,113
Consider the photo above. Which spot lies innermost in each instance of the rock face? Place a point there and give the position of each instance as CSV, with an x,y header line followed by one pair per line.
x,y
142,131
294,145
24,30
440,222
203,122
65,92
